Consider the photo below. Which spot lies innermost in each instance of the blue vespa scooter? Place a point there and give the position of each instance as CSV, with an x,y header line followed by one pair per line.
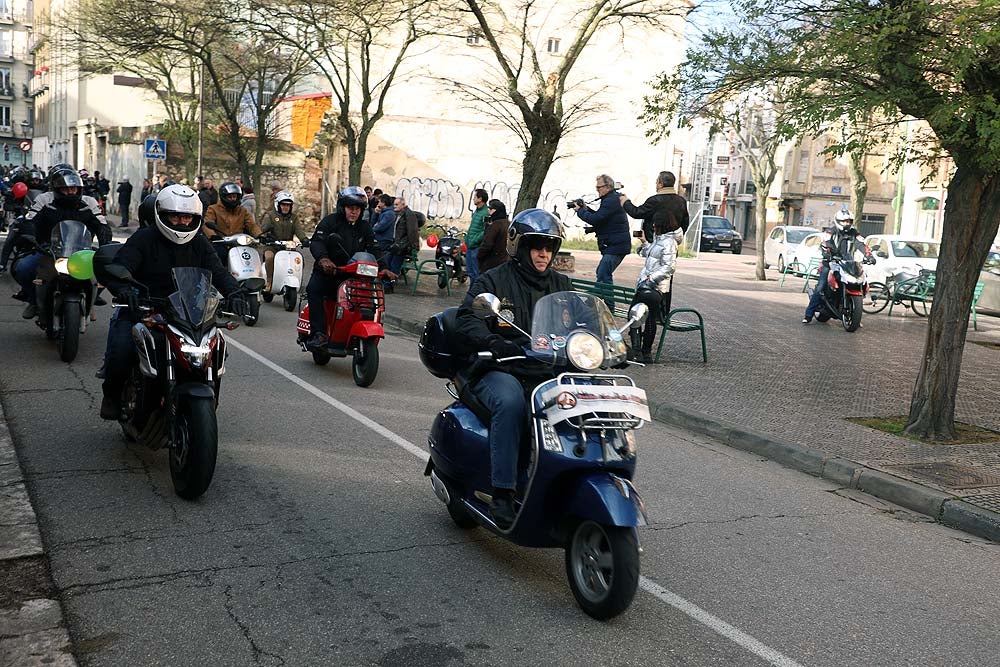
x,y
575,471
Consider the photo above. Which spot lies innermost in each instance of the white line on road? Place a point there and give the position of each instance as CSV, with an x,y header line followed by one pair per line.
x,y
731,633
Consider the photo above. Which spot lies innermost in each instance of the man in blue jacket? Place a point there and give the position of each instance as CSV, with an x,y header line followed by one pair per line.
x,y
610,224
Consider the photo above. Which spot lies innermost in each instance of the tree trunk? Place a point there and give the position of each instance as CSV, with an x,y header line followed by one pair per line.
x,y
859,185
538,160
971,220
760,212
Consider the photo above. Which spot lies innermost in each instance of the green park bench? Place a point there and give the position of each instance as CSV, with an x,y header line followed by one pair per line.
x,y
679,319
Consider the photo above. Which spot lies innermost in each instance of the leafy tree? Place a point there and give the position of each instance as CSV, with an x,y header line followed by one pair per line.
x,y
543,113
932,60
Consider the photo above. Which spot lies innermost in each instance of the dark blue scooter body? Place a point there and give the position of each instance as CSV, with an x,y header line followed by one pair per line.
x,y
581,478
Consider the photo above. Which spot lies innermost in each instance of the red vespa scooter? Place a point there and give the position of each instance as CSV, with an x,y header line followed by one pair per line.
x,y
353,320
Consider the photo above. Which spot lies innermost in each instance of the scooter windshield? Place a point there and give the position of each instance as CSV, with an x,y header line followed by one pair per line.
x,y
559,315
71,236
195,301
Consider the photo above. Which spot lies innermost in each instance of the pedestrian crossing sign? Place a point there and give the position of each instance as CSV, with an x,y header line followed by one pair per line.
x,y
156,149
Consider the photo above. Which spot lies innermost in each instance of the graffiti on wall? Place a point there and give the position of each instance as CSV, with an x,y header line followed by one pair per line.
x,y
437,198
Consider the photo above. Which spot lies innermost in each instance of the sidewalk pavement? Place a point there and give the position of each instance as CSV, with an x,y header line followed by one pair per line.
x,y
784,390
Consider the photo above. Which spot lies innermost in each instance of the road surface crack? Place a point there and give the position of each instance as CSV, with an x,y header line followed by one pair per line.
x,y
258,652
657,526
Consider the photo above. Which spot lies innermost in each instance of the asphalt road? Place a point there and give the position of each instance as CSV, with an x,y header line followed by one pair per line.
x,y
321,543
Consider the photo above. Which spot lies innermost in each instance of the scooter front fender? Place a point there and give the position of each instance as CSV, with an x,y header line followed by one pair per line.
x,y
607,499
366,329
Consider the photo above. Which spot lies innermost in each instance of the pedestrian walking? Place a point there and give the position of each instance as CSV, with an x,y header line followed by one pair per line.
x,y
124,191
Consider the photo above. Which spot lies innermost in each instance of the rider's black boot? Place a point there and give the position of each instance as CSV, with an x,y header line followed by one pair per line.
x,y
502,507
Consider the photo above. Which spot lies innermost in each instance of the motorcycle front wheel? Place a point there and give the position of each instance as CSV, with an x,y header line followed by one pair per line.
x,y
602,564
289,298
365,366
853,308
267,296
192,456
69,337
253,311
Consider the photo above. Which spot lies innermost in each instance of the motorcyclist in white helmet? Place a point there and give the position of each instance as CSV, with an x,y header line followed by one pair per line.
x,y
837,246
280,225
150,255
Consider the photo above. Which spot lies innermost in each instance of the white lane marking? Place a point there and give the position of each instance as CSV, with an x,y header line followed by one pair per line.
x,y
326,398
677,602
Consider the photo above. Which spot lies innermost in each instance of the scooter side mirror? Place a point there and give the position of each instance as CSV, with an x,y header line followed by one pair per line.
x,y
486,305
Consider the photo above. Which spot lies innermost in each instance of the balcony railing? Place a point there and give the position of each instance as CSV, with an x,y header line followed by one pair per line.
x,y
38,84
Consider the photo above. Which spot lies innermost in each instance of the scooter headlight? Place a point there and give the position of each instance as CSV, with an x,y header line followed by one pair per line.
x,y
369,270
243,239
585,351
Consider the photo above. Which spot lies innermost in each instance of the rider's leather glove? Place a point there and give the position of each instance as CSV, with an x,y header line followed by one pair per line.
x,y
238,304
130,297
870,259
326,265
503,348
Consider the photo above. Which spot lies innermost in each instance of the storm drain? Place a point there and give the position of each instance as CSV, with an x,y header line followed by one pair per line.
x,y
949,474
989,501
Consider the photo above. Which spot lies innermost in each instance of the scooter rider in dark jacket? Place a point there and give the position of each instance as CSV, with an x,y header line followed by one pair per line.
x,y
338,236
65,201
838,246
150,255
533,239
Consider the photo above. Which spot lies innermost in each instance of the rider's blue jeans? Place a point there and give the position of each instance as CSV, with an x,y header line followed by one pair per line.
x,y
27,270
817,294
503,395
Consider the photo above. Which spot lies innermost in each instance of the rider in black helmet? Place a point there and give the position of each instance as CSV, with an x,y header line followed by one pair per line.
x,y
533,239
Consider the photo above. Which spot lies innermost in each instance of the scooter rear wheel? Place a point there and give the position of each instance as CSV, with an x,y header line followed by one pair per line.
x,y
320,358
253,311
267,296
602,564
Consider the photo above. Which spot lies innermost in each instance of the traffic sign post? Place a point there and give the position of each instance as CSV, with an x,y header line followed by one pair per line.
x,y
156,149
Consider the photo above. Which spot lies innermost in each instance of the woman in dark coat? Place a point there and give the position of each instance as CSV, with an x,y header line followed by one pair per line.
x,y
493,249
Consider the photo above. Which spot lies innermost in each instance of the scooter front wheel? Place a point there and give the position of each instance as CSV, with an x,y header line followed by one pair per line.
x,y
289,298
365,366
602,564
253,311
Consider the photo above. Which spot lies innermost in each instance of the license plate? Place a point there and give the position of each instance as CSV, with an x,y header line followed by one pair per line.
x,y
725,245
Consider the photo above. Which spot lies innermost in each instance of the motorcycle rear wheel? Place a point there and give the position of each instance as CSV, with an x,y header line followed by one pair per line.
x,y
878,298
602,564
289,298
192,458
69,337
853,309
365,368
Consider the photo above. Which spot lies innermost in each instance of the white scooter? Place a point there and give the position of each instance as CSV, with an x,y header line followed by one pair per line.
x,y
287,278
245,265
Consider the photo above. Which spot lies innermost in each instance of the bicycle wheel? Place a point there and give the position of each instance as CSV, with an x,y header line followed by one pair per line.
x,y
920,307
877,299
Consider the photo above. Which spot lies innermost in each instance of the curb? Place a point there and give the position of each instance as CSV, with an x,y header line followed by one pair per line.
x,y
32,629
943,507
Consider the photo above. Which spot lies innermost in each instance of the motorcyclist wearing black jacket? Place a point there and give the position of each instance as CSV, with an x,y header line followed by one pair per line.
x,y
533,239
150,255
64,201
838,246
337,237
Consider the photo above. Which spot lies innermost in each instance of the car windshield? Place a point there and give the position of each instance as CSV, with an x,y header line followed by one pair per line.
x,y
925,249
558,315
796,235
715,222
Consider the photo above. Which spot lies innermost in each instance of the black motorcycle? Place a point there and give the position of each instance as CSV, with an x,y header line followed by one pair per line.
x,y
451,250
66,292
172,392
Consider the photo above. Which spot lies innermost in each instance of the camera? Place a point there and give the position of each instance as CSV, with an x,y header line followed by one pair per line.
x,y
589,230
574,203
637,234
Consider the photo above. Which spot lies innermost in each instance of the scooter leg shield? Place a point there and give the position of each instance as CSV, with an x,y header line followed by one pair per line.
x,y
606,499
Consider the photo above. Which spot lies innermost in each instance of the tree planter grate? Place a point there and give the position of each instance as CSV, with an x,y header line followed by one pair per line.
x,y
947,474
989,501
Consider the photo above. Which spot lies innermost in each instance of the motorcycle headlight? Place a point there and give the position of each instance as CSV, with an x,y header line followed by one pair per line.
x,y
62,265
197,355
585,351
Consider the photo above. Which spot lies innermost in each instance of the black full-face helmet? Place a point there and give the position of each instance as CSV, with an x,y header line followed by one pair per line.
x,y
352,195
66,186
533,224
230,194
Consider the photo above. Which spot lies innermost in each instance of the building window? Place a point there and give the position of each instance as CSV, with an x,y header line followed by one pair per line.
x,y
5,117
803,172
6,44
475,38
553,46
5,81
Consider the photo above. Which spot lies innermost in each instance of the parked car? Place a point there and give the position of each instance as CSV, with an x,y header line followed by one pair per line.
x,y
781,244
894,252
806,250
990,277
718,234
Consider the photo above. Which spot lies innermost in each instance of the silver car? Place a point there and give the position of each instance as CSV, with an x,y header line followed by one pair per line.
x,y
782,243
990,277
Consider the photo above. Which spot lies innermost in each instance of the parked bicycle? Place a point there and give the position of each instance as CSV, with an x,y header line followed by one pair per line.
x,y
908,287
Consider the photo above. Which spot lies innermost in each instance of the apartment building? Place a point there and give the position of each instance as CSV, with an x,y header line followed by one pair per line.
x,y
16,71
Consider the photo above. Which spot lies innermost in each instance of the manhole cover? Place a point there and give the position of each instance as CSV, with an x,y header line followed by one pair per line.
x,y
949,474
990,501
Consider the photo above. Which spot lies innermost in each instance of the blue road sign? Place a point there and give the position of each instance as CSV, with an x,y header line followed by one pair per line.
x,y
156,149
